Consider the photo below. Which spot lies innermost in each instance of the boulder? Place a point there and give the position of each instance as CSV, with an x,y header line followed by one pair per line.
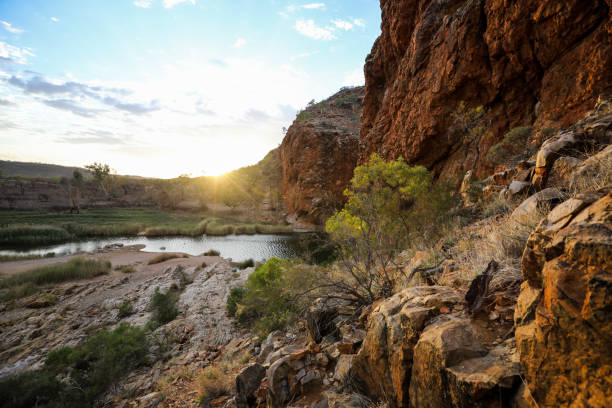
x,y
533,207
343,368
562,319
383,366
320,321
452,368
247,382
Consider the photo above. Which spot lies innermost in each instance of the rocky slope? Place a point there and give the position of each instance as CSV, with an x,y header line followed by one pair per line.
x,y
318,155
529,62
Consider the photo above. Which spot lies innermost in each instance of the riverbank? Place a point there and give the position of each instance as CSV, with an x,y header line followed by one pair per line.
x,y
44,227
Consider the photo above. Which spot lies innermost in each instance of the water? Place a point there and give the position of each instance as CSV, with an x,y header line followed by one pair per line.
x,y
236,247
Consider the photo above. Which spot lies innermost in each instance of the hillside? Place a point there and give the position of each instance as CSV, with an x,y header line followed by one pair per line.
x,y
40,170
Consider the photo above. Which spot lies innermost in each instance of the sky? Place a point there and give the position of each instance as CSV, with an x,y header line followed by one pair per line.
x,y
161,88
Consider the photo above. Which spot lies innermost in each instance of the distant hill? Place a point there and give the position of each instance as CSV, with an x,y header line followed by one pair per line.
x,y
26,169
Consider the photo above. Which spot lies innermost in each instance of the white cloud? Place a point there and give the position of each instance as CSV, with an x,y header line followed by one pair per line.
x,y
14,54
311,6
310,29
55,19
303,55
143,3
172,3
9,27
343,25
314,6
240,42
359,22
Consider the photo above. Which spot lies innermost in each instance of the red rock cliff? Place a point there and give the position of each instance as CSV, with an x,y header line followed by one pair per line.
x,y
527,62
318,155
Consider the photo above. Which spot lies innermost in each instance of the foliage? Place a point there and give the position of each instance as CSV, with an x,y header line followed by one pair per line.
x,y
215,381
303,116
76,268
163,306
164,257
90,369
101,173
212,252
514,142
390,205
126,309
471,123
235,297
249,263
266,301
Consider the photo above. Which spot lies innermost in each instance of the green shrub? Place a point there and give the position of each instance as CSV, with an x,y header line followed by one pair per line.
x,y
91,368
266,298
33,235
514,142
77,268
163,306
249,263
234,298
126,309
32,389
303,116
212,252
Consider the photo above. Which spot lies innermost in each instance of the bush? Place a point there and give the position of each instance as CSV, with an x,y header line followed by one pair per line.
x,y
77,268
11,258
165,257
249,263
92,368
390,207
212,252
126,309
163,306
266,300
235,297
514,142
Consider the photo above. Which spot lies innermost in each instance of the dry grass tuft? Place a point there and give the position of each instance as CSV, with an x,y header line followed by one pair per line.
x,y
214,381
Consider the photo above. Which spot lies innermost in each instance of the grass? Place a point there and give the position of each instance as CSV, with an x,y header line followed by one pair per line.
x,y
77,268
249,263
211,252
214,382
125,268
45,227
165,257
32,235
11,258
125,309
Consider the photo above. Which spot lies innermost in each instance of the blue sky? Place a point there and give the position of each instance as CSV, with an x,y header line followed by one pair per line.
x,y
165,87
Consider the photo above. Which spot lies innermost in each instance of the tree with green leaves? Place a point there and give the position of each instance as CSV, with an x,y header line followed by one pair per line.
x,y
389,206
101,173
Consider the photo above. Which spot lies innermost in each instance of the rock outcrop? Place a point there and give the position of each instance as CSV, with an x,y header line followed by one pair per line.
x,y
529,62
563,326
318,155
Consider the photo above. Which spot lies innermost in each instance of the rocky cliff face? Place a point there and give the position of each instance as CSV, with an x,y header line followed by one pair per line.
x,y
318,156
526,62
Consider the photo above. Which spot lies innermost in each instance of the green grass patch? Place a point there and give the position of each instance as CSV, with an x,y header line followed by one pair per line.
x,y
125,268
273,229
245,230
12,258
249,263
165,257
32,235
77,268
